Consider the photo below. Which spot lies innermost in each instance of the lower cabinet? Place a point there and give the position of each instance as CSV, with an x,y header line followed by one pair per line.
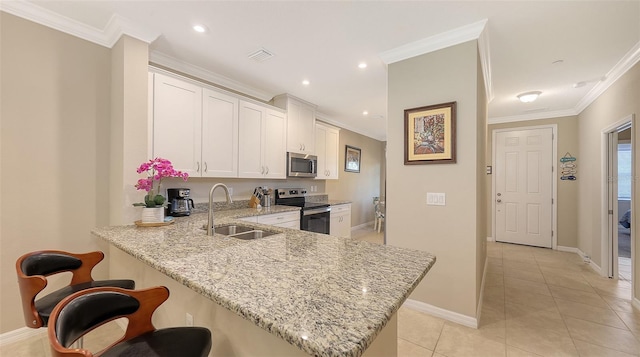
x,y
284,219
341,220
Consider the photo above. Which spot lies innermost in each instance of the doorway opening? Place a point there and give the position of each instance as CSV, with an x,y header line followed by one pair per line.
x,y
618,194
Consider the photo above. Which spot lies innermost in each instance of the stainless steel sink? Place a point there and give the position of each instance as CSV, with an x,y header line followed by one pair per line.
x,y
241,232
254,234
232,229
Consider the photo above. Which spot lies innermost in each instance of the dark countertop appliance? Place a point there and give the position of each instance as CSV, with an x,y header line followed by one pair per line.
x,y
180,204
314,216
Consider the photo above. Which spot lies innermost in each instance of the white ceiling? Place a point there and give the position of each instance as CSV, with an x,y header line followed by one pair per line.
x,y
323,41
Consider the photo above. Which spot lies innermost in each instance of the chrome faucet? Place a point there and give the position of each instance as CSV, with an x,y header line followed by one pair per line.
x,y
229,200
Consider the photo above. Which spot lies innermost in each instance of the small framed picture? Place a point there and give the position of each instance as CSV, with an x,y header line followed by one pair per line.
x,y
351,159
430,134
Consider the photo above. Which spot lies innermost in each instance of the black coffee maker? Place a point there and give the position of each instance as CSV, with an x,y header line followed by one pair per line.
x,y
179,202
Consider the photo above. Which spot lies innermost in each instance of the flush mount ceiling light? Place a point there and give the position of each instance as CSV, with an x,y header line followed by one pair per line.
x,y
529,97
362,65
306,82
199,28
365,113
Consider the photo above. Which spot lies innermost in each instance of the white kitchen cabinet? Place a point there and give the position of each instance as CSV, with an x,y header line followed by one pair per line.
x,y
301,123
327,143
284,219
261,139
196,128
177,123
340,220
219,134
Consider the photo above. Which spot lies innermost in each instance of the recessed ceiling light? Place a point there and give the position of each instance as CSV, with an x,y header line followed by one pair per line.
x,y
306,82
365,113
362,65
529,97
200,28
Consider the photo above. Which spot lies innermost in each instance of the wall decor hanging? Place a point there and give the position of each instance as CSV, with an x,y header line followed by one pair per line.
x,y
352,159
568,167
430,134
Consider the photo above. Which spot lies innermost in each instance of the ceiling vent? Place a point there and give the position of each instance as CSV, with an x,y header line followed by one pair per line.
x,y
261,55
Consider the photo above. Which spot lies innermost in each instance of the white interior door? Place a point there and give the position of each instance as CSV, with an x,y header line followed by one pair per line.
x,y
524,185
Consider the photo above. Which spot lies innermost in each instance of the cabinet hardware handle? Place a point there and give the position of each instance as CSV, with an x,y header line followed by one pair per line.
x,y
262,170
499,200
205,166
266,173
198,166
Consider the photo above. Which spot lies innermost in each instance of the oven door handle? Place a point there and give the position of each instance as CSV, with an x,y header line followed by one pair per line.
x,y
309,212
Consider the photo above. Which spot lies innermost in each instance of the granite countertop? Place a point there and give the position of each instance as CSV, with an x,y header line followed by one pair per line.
x,y
328,296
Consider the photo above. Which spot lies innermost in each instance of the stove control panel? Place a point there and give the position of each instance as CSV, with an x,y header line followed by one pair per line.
x,y
290,192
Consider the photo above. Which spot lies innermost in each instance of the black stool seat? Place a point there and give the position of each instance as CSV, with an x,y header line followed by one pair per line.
x,y
45,305
175,341
85,310
34,268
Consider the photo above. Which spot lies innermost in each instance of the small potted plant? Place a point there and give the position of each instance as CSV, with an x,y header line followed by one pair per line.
x,y
156,170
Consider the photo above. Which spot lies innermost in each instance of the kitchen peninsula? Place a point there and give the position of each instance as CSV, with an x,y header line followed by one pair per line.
x,y
294,293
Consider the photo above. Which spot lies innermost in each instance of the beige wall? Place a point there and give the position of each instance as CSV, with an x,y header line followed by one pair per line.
x,y
359,188
129,126
449,232
619,101
567,208
55,152
481,179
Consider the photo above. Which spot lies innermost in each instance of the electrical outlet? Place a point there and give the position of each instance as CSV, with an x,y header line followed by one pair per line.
x,y
189,319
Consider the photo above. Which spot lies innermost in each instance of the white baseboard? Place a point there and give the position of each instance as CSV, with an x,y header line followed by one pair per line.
x,y
593,265
491,239
569,250
21,334
364,225
442,313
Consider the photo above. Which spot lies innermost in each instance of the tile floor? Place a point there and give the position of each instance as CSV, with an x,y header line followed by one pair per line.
x,y
537,302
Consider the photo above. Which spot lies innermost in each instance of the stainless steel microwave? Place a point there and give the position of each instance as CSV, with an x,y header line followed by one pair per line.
x,y
300,165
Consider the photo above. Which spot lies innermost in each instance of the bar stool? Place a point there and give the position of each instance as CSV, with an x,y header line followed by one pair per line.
x,y
86,310
33,268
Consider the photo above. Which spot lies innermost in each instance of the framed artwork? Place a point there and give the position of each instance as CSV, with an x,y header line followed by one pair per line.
x,y
430,134
352,159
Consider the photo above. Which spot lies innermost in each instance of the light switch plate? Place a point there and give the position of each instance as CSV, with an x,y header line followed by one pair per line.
x,y
436,199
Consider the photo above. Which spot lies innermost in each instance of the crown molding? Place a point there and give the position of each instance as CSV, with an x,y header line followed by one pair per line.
x,y
199,72
629,60
434,43
485,62
533,116
329,120
107,37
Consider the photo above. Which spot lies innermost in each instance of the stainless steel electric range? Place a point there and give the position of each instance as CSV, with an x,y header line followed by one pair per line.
x,y
314,216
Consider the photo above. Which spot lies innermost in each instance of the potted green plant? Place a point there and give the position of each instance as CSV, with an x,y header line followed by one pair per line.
x,y
156,170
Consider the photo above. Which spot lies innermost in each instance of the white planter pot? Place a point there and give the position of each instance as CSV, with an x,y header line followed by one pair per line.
x,y
152,215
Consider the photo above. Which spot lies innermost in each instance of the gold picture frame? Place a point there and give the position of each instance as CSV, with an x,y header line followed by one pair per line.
x,y
430,134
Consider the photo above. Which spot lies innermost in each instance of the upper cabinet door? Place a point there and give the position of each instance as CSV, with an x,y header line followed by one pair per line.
x,y
301,124
332,140
177,115
219,134
327,141
251,140
275,154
